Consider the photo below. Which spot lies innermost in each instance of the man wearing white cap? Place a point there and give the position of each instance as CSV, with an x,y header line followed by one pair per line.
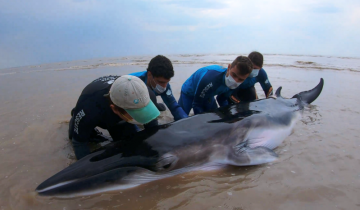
x,y
109,102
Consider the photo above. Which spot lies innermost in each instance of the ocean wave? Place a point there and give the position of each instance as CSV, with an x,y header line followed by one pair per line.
x,y
8,73
272,60
313,67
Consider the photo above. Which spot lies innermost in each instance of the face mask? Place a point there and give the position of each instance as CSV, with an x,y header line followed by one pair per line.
x,y
231,83
254,73
134,122
158,89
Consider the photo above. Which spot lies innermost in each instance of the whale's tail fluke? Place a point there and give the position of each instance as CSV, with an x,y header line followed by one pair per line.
x,y
310,95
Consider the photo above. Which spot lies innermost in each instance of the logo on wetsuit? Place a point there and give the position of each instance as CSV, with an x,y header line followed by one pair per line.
x,y
203,92
78,117
107,79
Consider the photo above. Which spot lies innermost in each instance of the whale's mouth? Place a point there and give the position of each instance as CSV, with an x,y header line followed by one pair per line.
x,y
116,179
41,190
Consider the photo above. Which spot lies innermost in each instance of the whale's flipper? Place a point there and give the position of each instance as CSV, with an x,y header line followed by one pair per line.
x,y
247,156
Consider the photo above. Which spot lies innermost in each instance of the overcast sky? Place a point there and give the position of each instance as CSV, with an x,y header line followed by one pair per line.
x,y
44,31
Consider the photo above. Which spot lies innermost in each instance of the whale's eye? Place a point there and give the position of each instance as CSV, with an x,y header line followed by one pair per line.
x,y
166,162
167,166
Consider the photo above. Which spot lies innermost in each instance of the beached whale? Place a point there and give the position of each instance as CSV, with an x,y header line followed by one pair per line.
x,y
242,134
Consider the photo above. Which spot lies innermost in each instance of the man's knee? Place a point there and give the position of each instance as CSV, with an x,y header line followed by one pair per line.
x,y
71,128
81,149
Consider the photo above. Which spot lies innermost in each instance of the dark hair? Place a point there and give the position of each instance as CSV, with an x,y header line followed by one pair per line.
x,y
243,65
161,66
256,58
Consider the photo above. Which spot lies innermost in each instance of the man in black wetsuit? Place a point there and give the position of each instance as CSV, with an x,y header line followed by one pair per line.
x,y
115,103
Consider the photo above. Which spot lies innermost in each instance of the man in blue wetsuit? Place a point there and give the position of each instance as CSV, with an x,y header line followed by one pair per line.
x,y
246,91
157,77
199,89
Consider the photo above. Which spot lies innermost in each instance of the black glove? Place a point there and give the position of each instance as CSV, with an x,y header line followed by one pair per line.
x,y
161,107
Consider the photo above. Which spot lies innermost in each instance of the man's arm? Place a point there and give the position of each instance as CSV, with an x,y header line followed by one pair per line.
x,y
222,100
265,83
203,92
172,104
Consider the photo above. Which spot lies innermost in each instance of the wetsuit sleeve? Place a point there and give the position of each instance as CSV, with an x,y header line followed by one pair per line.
x,y
204,91
265,83
172,104
122,131
222,100
85,120
83,123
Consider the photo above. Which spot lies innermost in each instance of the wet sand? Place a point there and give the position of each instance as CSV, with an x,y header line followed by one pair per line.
x,y
318,166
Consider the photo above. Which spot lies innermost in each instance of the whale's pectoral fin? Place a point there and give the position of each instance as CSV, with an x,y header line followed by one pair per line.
x,y
245,156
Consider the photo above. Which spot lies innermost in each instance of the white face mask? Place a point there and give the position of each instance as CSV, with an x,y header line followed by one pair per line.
x,y
134,122
231,83
254,73
158,88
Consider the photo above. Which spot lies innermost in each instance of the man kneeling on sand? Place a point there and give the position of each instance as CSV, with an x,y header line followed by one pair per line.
x,y
115,103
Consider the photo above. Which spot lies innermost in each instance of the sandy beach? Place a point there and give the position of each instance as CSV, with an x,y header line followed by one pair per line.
x,y
318,166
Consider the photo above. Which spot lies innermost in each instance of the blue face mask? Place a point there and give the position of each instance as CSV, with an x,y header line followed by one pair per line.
x,y
254,73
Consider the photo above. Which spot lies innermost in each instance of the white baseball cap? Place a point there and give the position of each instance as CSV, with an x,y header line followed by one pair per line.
x,y
131,94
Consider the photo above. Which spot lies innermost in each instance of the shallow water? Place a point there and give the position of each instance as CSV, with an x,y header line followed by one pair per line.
x,y
318,166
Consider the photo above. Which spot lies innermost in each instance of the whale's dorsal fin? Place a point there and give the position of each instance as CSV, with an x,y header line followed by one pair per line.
x,y
278,92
